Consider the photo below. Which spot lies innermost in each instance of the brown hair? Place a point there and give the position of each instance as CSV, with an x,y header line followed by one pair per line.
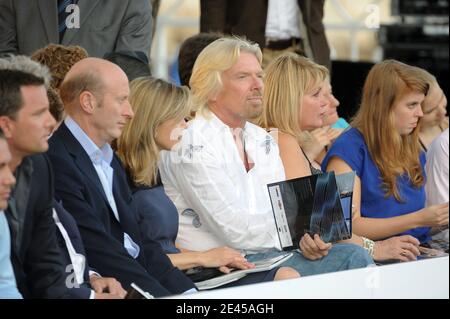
x,y
393,154
189,51
56,105
59,59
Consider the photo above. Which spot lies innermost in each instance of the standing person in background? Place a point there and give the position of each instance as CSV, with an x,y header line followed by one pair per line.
x,y
278,26
134,64
97,26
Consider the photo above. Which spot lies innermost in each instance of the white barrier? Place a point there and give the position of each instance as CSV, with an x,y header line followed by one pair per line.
x,y
423,279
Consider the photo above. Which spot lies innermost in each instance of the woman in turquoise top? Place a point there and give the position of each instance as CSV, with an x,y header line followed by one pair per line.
x,y
383,149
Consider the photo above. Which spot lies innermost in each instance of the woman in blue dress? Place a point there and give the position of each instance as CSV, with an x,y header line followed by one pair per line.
x,y
383,148
160,110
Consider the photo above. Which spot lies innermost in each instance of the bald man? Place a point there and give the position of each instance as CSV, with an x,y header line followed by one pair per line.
x,y
92,185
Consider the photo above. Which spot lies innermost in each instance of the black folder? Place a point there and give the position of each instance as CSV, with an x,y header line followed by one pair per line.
x,y
316,204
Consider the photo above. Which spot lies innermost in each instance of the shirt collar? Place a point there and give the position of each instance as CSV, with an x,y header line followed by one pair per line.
x,y
218,124
95,153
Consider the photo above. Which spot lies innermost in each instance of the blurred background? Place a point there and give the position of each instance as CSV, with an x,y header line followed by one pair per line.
x,y
360,33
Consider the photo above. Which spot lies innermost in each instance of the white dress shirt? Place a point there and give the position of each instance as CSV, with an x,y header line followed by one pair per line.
x,y
437,170
101,159
78,260
283,20
219,202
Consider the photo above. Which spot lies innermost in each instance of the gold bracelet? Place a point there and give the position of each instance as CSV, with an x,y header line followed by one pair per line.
x,y
368,245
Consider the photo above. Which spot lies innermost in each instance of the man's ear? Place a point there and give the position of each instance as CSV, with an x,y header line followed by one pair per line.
x,y
212,99
88,102
6,124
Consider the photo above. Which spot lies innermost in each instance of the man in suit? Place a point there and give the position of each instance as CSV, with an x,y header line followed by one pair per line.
x,y
104,25
92,184
134,65
83,282
24,109
275,25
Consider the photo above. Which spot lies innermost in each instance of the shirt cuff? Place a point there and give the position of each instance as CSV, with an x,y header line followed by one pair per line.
x,y
190,291
92,296
91,273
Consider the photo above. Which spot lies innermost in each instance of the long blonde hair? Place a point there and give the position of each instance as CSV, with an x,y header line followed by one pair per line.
x,y
219,56
154,101
393,154
287,79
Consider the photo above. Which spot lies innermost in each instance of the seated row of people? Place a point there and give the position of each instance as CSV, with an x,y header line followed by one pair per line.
x,y
214,206
305,101
160,109
121,253
218,177
37,261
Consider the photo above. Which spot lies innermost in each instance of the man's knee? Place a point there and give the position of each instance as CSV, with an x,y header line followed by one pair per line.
x,y
286,273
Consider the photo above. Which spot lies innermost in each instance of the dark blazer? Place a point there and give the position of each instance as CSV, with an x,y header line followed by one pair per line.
x,y
105,26
78,187
249,17
69,224
37,261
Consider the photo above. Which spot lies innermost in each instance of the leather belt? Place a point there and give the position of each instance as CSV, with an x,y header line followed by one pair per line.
x,y
282,44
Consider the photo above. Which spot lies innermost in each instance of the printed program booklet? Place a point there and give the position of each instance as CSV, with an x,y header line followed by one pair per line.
x,y
317,204
217,278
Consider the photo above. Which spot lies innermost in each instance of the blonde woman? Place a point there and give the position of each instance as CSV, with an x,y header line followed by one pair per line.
x,y
383,148
294,102
434,120
160,109
299,106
